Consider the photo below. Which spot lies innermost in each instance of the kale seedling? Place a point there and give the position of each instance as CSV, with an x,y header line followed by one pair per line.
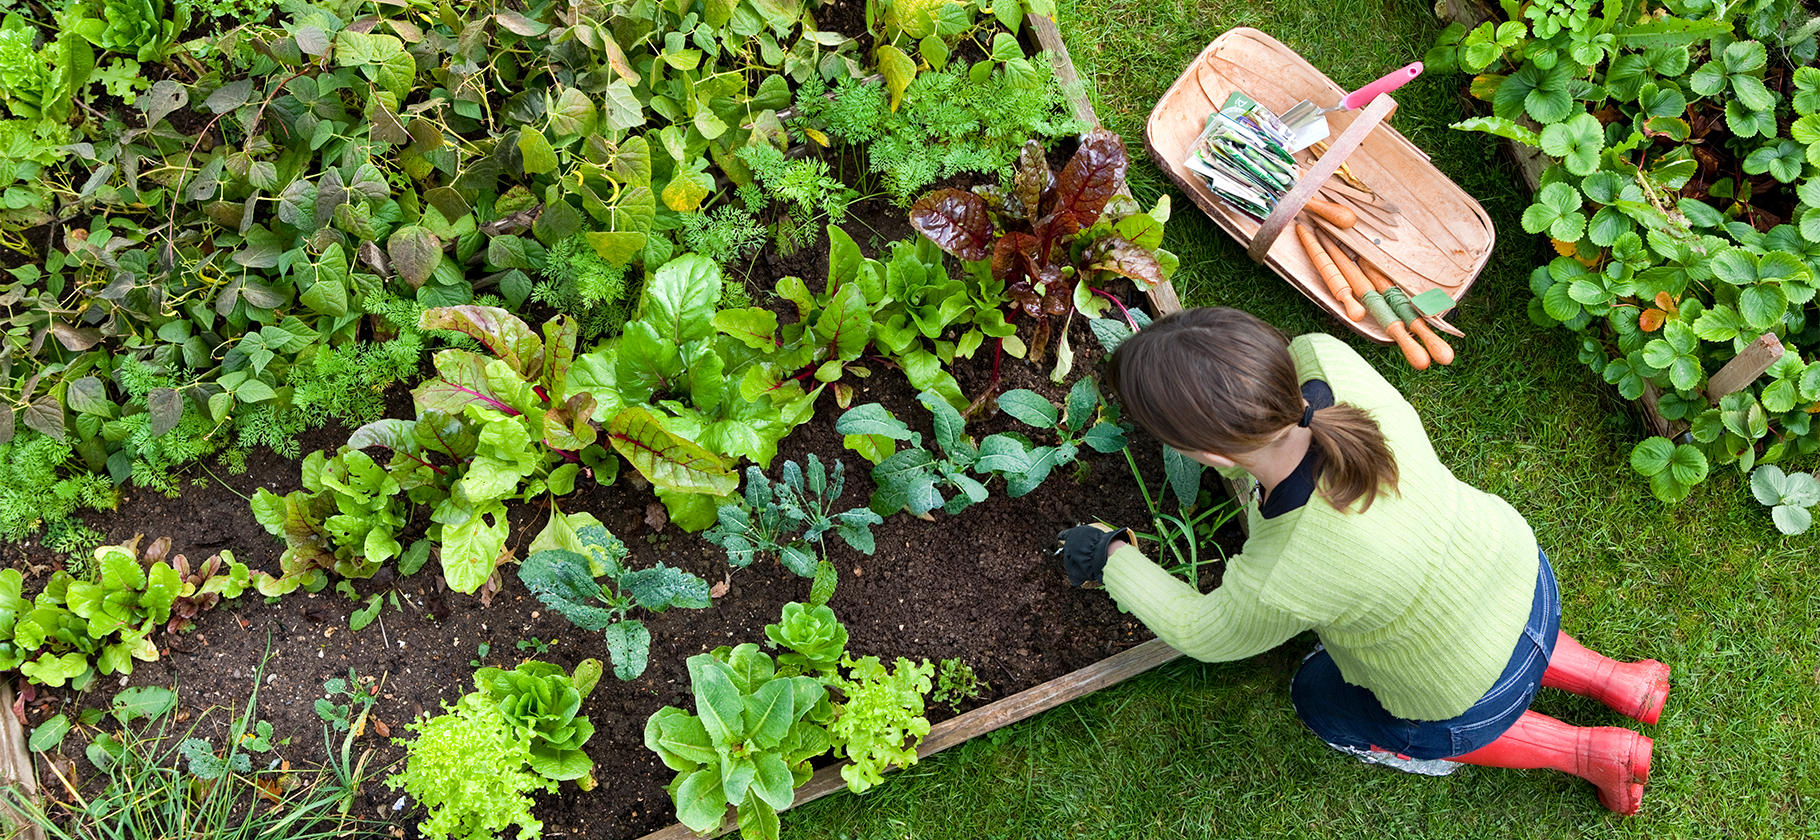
x,y
564,580
914,478
767,518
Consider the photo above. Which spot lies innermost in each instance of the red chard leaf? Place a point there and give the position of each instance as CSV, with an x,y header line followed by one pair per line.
x,y
956,220
1092,176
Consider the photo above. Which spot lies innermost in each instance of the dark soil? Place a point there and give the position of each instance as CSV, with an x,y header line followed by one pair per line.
x,y
981,587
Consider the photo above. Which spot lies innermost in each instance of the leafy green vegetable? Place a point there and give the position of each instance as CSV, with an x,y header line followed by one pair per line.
x,y
880,722
468,768
543,702
815,638
748,745
766,519
564,579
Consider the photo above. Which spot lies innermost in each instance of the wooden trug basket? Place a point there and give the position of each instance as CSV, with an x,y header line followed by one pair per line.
x,y
1445,237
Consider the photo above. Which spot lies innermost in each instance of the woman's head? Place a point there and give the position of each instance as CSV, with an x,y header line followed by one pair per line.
x,y
1221,380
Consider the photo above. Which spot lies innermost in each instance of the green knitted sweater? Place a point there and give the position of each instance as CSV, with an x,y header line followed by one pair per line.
x,y
1420,599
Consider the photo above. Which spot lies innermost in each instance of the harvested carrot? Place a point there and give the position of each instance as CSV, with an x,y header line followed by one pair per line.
x,y
1336,283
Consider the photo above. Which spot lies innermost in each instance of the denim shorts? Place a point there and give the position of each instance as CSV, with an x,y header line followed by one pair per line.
x,y
1347,715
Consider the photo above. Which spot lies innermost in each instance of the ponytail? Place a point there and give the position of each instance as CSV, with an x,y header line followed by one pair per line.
x,y
1356,460
1221,380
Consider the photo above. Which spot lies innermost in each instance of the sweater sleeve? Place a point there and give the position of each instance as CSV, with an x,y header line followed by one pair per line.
x,y
1231,622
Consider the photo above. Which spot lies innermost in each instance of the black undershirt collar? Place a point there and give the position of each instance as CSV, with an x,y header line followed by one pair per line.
x,y
1297,488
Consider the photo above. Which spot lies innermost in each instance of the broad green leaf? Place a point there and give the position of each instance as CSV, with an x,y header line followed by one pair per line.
x,y
899,70
666,459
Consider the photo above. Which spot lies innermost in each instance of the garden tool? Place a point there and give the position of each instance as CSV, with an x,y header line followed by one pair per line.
x,y
1306,120
1637,690
1615,760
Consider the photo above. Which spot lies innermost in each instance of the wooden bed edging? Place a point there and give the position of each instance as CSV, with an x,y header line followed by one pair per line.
x,y
1024,704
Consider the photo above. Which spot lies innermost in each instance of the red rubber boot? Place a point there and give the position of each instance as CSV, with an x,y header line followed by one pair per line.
x,y
1615,760
1637,690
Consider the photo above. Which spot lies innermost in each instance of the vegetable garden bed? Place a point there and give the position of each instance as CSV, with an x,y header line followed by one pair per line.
x,y
976,587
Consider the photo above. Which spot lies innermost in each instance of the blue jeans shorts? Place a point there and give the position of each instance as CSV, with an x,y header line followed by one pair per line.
x,y
1347,715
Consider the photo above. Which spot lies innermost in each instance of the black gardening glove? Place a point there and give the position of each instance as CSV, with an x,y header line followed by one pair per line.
x,y
1084,548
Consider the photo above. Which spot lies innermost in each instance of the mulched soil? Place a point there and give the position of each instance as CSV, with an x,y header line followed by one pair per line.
x,y
980,586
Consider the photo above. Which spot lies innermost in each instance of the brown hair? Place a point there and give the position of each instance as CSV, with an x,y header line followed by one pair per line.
x,y
1221,380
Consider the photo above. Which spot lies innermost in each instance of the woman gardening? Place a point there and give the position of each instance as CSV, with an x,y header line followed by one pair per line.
x,y
1438,615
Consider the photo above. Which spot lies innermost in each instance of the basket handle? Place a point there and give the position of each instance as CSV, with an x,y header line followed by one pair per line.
x,y
1292,202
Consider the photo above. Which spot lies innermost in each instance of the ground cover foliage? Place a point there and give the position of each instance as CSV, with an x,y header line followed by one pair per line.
x,y
1198,750
1681,206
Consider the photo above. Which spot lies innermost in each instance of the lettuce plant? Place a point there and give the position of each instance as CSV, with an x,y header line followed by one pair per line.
x,y
815,639
77,628
468,768
564,578
879,722
1053,236
748,745
678,400
543,702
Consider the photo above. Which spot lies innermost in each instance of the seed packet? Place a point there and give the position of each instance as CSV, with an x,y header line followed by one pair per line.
x,y
1243,154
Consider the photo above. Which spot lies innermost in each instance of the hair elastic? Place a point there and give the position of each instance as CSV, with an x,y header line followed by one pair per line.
x,y
1307,416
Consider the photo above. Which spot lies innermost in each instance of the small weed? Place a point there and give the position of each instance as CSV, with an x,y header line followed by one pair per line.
x,y
480,655
535,645
956,683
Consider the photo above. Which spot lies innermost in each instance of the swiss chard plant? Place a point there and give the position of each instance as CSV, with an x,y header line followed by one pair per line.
x,y
915,479
792,518
543,702
748,745
566,580
1681,205
1084,420
1052,238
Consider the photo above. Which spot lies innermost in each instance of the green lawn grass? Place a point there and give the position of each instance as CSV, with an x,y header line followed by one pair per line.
x,y
1215,750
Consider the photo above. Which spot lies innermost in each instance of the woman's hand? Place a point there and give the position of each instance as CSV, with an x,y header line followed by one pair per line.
x,y
1084,550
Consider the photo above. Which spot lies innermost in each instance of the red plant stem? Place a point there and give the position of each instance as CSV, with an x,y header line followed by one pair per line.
x,y
1118,303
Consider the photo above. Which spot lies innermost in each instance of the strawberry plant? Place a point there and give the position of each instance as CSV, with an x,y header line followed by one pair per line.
x,y
1681,205
565,580
1788,496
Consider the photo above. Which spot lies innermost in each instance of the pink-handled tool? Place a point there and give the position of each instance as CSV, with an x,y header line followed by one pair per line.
x,y
1305,118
